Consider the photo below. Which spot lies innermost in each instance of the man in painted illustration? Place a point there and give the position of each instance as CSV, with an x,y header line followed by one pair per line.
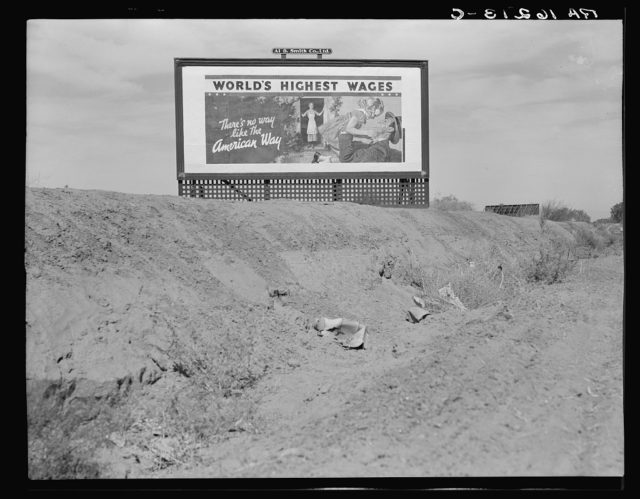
x,y
342,131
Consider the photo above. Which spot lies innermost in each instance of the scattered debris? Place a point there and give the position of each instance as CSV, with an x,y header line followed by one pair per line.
x,y
341,326
387,267
276,292
419,301
358,339
416,314
447,294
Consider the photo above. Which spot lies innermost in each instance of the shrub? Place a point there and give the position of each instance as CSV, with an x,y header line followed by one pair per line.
x,y
187,419
617,212
450,203
553,210
611,237
203,400
57,458
588,239
552,263
206,403
62,439
221,365
485,277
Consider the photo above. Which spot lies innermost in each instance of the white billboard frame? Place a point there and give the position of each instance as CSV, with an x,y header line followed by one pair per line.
x,y
402,84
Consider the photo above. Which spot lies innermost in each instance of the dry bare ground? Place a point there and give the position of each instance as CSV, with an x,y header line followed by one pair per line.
x,y
154,348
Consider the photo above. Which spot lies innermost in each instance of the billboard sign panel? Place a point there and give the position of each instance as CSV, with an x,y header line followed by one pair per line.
x,y
270,117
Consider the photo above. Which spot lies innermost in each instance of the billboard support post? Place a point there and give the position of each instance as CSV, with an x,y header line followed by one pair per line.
x,y
306,129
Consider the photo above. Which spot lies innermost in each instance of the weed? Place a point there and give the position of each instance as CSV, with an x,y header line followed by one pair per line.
x,y
222,366
450,203
63,436
612,237
204,401
56,457
588,239
556,211
484,278
207,401
187,419
617,212
542,221
552,263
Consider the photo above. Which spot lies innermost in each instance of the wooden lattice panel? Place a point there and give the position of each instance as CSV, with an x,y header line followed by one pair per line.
x,y
377,191
514,210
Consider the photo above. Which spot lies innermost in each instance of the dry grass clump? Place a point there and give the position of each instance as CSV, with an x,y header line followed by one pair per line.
x,y
484,278
607,233
172,432
56,457
611,234
220,364
558,212
53,454
589,239
552,262
63,435
207,403
206,400
450,203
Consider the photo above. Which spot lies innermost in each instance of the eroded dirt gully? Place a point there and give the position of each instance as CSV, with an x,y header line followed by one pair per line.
x,y
111,278
467,393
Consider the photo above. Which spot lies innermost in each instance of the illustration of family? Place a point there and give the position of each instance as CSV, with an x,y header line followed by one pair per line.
x,y
340,133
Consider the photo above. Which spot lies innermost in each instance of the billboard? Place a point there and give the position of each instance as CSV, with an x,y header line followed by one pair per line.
x,y
301,117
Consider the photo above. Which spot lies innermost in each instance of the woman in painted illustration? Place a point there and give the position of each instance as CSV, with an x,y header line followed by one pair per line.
x,y
312,127
340,132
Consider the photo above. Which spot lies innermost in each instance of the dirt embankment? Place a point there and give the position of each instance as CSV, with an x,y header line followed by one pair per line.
x,y
116,281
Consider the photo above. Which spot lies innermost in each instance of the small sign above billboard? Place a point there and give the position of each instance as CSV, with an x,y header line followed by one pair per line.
x,y
283,51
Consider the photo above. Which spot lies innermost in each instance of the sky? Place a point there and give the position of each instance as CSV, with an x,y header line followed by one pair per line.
x,y
519,111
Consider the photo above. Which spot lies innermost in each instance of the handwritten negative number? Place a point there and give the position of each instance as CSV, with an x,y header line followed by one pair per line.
x,y
542,14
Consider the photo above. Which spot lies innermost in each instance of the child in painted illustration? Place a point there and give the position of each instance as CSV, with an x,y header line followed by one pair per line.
x,y
312,127
339,134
